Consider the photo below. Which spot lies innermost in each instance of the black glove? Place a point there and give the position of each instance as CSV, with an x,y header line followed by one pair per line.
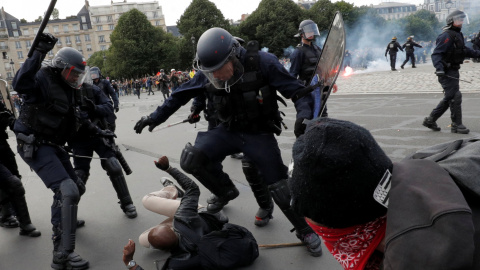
x,y
106,133
194,117
143,122
116,109
440,73
89,106
46,42
299,127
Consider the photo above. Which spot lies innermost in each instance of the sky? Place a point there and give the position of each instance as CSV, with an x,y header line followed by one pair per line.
x,y
172,9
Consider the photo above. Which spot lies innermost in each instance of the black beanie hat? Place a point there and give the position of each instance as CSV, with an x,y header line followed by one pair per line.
x,y
337,166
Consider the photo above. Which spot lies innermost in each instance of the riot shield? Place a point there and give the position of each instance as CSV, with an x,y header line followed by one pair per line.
x,y
329,64
7,100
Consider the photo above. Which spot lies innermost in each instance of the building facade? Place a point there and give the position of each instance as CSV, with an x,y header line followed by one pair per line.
x,y
88,32
394,10
442,8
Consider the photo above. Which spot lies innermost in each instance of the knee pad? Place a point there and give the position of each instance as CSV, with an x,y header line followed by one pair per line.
x,y
113,167
192,158
69,191
15,186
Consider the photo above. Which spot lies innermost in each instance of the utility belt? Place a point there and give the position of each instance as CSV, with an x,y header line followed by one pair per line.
x,y
29,144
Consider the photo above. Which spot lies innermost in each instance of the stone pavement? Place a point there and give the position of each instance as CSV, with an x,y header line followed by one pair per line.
x,y
381,80
393,119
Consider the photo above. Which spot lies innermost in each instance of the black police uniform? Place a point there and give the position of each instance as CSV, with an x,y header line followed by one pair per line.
x,y
347,59
448,55
13,192
304,63
84,143
109,92
409,47
392,49
247,111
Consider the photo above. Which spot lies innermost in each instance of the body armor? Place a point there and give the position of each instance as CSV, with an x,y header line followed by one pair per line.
x,y
251,105
456,56
53,120
310,61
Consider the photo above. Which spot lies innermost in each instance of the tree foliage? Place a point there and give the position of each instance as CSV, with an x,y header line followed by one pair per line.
x,y
273,24
55,14
39,19
199,16
96,60
138,48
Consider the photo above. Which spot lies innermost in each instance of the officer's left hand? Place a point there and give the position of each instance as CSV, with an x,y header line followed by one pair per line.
x,y
143,122
116,109
300,127
46,43
89,106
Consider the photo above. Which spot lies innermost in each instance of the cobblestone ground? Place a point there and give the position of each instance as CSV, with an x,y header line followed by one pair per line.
x,y
381,80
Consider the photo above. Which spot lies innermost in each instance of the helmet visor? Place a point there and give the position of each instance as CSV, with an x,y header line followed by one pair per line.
x,y
94,74
310,31
74,76
226,75
460,19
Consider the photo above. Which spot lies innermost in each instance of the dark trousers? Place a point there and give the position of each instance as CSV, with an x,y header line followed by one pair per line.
x,y
53,166
411,56
261,149
150,90
393,59
452,96
86,148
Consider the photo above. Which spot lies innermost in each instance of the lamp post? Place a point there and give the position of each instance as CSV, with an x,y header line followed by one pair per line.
x,y
193,44
13,66
105,64
448,5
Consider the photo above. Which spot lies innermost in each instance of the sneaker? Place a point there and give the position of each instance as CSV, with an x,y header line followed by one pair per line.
x,y
313,243
167,182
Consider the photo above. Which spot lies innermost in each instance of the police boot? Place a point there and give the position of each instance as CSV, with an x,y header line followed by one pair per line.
x,y
114,171
17,199
7,218
195,162
459,128
63,237
261,193
430,123
281,195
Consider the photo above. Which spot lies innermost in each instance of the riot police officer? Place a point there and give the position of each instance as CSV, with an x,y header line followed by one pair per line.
x,y
409,47
98,107
392,49
243,84
305,57
108,90
13,192
48,119
447,57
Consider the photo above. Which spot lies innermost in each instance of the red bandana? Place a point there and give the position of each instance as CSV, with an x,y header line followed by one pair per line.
x,y
354,247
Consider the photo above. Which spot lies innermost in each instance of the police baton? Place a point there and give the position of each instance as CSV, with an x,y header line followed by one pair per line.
x,y
451,77
42,27
171,125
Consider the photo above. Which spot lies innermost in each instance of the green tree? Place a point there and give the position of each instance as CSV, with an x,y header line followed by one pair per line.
x,y
273,24
322,13
39,19
199,16
136,47
96,60
23,21
55,14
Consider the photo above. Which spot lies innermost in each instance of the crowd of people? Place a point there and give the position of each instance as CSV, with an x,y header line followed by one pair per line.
x,y
332,192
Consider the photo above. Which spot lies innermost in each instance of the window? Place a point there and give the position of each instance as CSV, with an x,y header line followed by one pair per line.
x,y
67,40
157,23
14,25
101,39
15,33
50,53
18,45
26,32
55,29
75,27
89,47
84,19
59,42
111,27
65,28
20,55
3,45
97,19
84,26
99,27
79,48
103,48
155,14
109,18
9,75
28,44
77,39
87,37
44,30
